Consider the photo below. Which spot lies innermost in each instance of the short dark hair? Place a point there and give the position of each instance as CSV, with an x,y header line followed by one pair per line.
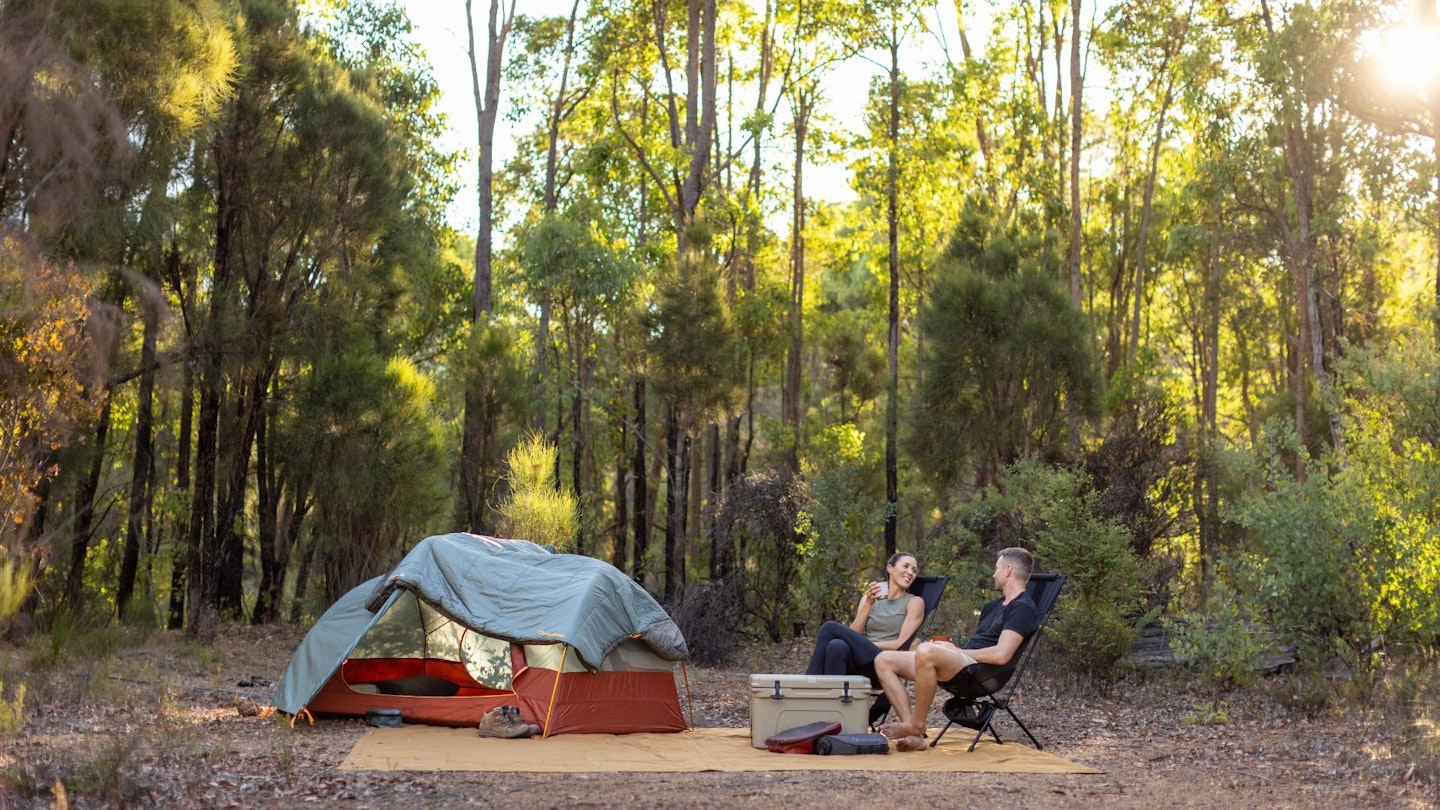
x,y
1021,560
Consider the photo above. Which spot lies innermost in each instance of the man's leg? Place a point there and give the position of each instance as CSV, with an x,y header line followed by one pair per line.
x,y
932,663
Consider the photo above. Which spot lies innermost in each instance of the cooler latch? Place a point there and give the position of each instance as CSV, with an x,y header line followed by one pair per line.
x,y
777,695
845,698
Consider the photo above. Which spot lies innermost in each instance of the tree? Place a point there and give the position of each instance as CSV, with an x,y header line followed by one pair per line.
x,y
471,506
1006,350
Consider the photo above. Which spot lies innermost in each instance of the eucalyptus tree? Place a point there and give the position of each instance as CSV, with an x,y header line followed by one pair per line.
x,y
95,133
813,37
1299,54
321,172
478,422
676,152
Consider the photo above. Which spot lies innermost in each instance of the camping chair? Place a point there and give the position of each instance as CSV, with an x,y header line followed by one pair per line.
x,y
977,688
929,589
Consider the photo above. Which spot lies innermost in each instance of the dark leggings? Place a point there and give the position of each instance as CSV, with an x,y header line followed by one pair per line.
x,y
841,651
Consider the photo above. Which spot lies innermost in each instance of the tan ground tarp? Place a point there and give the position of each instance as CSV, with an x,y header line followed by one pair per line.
x,y
432,748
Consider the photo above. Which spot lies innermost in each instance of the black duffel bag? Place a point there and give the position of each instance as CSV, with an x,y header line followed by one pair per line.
x,y
852,744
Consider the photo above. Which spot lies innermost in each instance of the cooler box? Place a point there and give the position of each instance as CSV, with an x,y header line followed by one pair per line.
x,y
780,702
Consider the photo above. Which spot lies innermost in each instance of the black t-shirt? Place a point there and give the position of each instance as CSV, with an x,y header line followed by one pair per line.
x,y
1020,615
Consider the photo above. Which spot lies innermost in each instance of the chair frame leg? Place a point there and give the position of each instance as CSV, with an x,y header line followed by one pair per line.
x,y
989,725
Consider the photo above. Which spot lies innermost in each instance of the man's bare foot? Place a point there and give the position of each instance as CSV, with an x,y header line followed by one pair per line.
x,y
896,731
911,743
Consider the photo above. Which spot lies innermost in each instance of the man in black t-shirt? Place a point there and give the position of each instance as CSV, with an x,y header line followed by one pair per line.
x,y
1005,623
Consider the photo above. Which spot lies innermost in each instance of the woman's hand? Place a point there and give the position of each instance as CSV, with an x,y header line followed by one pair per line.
x,y
872,592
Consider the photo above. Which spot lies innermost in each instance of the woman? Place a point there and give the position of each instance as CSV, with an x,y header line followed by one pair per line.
x,y
884,620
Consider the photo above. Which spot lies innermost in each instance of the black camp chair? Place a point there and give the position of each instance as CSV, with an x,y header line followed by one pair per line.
x,y
977,688
929,589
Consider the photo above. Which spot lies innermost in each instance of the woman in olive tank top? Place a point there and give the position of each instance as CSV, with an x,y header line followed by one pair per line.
x,y
885,618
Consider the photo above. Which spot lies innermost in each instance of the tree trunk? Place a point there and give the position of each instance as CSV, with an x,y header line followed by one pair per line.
x,y
142,468
477,423
892,345
790,393
639,494
674,508
1207,513
85,493
1145,206
181,556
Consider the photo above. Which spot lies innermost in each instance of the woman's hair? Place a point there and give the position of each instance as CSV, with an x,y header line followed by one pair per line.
x,y
895,558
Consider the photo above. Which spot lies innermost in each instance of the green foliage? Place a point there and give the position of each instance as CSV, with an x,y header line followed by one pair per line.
x,y
1095,621
839,524
537,510
1006,350
757,527
1220,641
12,710
1313,570
16,582
364,429
693,348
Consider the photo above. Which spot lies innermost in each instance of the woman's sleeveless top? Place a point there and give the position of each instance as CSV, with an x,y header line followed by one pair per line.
x,y
887,616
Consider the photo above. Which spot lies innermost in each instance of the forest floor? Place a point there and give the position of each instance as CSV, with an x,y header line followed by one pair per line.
x,y
125,718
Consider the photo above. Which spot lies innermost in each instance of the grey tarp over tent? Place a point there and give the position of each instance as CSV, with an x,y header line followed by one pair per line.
x,y
508,589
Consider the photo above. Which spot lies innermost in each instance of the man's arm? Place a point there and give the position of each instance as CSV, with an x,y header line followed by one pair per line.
x,y
1002,652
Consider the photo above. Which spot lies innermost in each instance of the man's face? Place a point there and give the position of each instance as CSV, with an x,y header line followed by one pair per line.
x,y
1002,573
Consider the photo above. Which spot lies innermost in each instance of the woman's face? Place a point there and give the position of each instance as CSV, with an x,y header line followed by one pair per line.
x,y
903,571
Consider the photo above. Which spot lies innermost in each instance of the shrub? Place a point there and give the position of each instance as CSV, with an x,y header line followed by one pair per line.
x,y
839,525
1219,641
1095,622
759,545
1318,559
537,510
12,710
709,617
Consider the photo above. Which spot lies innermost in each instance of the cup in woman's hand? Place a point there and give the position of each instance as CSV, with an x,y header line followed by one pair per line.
x,y
884,591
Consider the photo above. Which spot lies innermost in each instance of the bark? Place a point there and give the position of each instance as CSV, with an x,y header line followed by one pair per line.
x,y
181,558
1207,511
892,346
639,493
85,492
790,392
674,508
142,469
478,421
1077,81
1144,236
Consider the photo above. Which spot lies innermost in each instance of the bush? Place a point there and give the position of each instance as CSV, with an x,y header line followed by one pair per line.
x,y
537,510
839,526
1317,561
1220,641
756,528
709,618
1095,622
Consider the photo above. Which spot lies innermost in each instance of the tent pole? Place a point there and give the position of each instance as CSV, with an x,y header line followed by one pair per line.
x,y
564,651
684,670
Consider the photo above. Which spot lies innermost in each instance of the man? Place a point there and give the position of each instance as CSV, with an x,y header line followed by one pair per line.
x,y
1005,623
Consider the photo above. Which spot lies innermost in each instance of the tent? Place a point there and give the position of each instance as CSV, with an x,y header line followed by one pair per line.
x,y
467,623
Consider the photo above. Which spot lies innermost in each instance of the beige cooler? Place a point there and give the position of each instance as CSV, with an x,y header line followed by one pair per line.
x,y
780,702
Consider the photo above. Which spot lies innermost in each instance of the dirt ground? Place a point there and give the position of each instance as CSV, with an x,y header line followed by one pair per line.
x,y
130,719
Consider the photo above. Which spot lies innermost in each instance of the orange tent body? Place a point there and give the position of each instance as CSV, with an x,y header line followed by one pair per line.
x,y
565,700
